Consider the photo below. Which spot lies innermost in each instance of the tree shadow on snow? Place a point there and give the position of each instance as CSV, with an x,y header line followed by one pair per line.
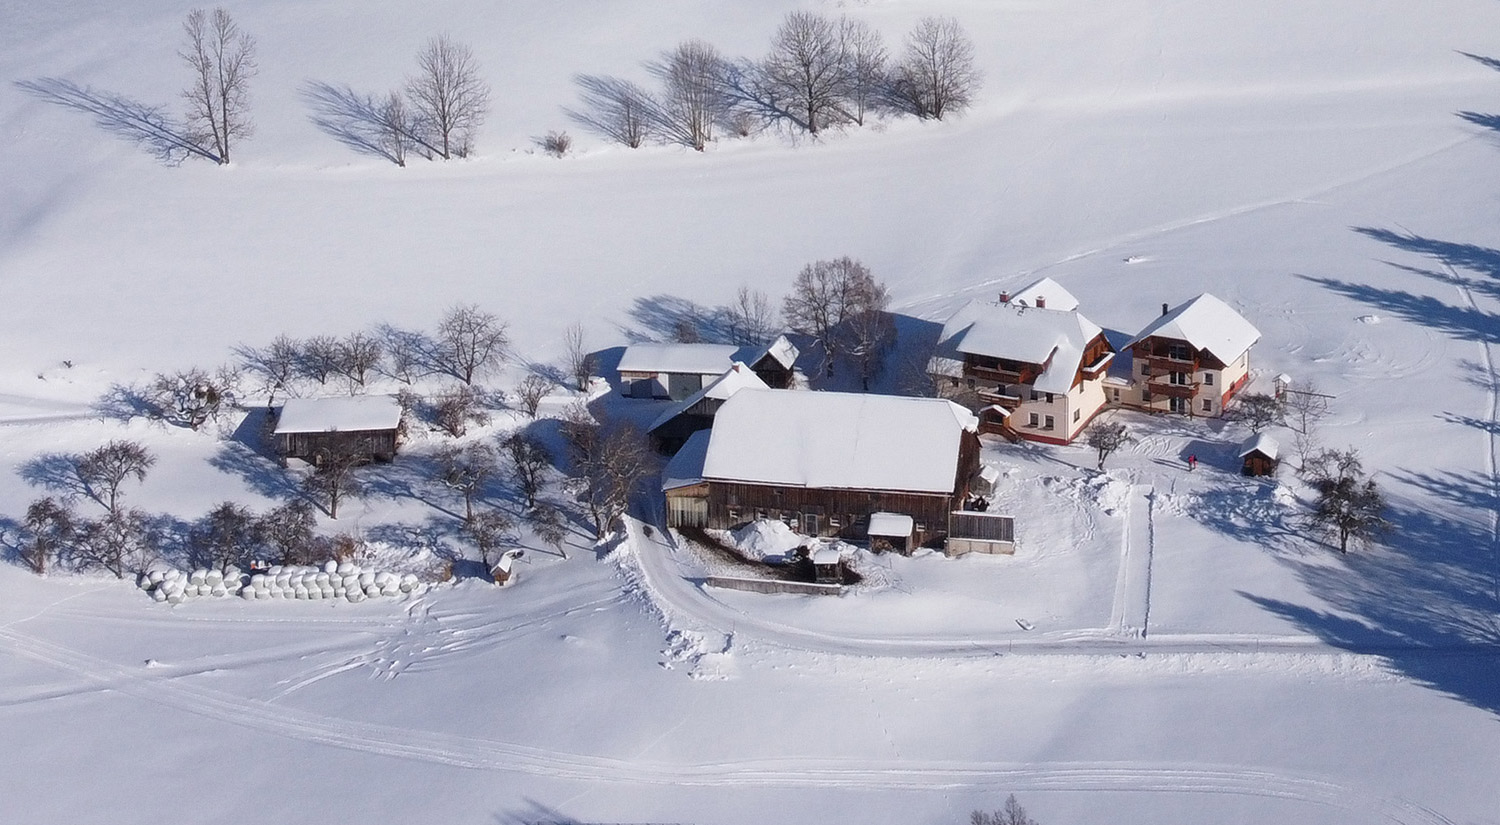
x,y
349,117
140,123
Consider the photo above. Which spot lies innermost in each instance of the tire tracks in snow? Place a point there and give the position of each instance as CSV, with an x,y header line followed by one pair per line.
x,y
1492,415
791,772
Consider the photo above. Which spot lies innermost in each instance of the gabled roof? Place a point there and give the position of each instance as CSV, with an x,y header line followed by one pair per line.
x,y
781,351
1260,443
1205,323
342,414
736,378
1056,338
837,440
702,359
1050,293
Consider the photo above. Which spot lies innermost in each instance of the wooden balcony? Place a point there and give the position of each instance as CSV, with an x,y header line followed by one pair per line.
x,y
1163,388
1009,402
1000,376
1161,364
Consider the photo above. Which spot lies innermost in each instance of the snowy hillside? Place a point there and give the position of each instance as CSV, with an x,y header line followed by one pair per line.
x,y
1164,647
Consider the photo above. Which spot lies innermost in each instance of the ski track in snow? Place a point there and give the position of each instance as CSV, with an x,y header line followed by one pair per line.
x,y
1492,462
792,772
1132,605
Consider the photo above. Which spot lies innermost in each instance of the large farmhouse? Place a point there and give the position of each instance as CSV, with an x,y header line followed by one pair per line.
x,y
364,426
826,463
1036,364
671,429
677,371
1192,359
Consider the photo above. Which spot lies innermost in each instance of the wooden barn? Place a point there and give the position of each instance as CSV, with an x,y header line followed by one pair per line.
x,y
677,371
1260,455
368,426
825,463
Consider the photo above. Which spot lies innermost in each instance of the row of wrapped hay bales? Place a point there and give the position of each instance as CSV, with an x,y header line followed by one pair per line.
x,y
342,580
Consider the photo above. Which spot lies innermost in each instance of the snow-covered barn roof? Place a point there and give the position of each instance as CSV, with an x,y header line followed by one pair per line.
x,y
1260,443
1054,337
1206,323
837,440
781,351
736,378
702,359
351,414
686,467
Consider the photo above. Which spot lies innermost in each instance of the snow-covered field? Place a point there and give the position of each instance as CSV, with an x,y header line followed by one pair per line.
x,y
1162,648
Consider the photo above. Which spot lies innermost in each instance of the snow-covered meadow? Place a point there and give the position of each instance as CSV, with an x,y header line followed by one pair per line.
x,y
1163,647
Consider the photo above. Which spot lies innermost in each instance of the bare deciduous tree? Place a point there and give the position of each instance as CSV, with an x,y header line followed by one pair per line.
x,y
547,523
51,526
610,462
866,336
356,356
398,128
1011,814
229,534
450,95
105,469
752,322
469,341
937,75
825,294
408,354
807,68
192,397
865,57
532,390
617,109
319,358
1304,408
119,541
333,477
489,531
693,98
580,362
1258,410
528,461
1349,507
222,59
466,470
1106,437
288,531
455,410
276,364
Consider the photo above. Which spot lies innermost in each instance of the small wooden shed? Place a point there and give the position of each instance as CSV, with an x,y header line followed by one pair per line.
x,y
1260,455
367,426
890,531
828,566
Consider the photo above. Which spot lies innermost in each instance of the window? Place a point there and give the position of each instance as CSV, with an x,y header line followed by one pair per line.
x,y
1049,398
1032,420
1145,368
734,514
1116,394
1179,352
1035,395
834,523
1076,414
1179,378
971,383
1208,405
1208,379
1051,423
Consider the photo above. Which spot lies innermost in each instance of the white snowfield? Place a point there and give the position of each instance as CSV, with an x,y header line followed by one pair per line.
x,y
1164,646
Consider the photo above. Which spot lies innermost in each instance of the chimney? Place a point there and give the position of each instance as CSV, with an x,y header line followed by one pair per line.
x,y
1164,309
1041,302
1005,297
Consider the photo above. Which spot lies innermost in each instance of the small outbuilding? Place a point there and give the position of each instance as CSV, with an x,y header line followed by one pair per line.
x,y
890,531
368,426
828,566
1261,455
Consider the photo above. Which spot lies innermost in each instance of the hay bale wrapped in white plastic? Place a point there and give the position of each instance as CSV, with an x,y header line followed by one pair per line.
x,y
330,566
322,577
249,594
351,582
159,594
408,582
218,592
197,576
175,598
366,578
274,570
299,592
354,595
258,580
313,593
155,575
346,568
213,576
372,591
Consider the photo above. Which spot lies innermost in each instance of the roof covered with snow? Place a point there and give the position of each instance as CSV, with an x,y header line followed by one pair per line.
x,y
1206,323
837,440
702,359
1045,292
1260,443
1054,337
343,414
781,351
686,467
736,378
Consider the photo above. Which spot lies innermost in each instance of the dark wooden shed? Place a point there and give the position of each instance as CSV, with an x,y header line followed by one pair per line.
x,y
1260,455
367,426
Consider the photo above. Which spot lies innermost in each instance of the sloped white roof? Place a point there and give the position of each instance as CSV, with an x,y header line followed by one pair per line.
x,y
343,414
837,440
686,467
827,555
1055,297
703,359
1260,443
781,350
1054,337
736,378
1206,323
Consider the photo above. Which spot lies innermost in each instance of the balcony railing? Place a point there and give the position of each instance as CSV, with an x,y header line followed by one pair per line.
x,y
1156,387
